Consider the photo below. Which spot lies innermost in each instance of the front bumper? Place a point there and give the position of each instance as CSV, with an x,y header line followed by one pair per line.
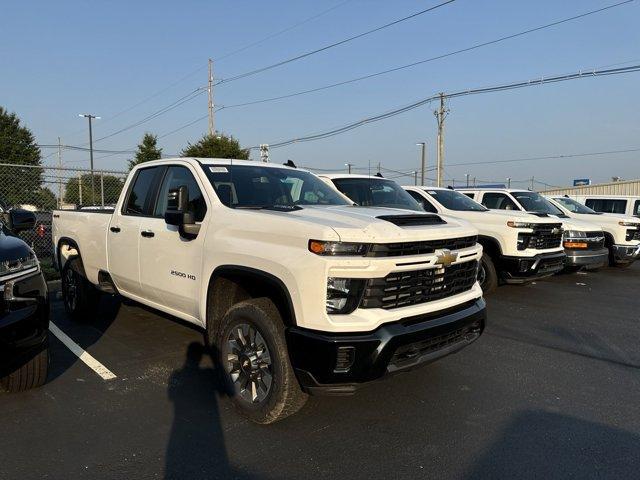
x,y
586,258
24,321
319,357
520,270
625,253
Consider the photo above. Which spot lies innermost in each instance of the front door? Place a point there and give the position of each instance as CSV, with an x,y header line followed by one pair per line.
x,y
170,265
124,231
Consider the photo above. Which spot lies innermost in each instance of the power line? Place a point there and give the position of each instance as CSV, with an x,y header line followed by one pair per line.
x,y
427,60
333,45
473,91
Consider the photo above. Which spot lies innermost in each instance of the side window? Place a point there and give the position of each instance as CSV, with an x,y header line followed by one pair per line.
x,y
606,205
175,177
424,203
138,202
498,201
636,209
472,196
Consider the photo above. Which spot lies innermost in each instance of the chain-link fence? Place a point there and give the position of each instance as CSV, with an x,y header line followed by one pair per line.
x,y
43,189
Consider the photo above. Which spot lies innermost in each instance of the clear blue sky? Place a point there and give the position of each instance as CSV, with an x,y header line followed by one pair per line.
x,y
59,59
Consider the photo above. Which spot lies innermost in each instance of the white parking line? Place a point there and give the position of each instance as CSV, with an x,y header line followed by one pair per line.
x,y
82,354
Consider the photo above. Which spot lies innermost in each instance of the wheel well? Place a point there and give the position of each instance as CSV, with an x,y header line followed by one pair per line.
x,y
230,285
608,240
67,249
490,246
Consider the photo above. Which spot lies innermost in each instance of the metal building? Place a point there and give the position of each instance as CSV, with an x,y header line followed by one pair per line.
x,y
628,187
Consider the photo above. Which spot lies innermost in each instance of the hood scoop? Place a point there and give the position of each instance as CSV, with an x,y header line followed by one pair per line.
x,y
413,220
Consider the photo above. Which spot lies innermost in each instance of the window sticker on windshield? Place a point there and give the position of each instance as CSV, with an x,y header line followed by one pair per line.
x,y
218,170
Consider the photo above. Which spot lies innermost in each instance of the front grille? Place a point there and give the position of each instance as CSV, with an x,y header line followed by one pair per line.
x,y
544,236
420,248
401,289
633,234
407,354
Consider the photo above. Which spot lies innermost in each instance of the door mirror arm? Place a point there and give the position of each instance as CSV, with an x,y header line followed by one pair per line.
x,y
177,213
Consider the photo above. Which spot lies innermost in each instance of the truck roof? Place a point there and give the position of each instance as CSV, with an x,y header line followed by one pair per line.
x,y
332,176
218,161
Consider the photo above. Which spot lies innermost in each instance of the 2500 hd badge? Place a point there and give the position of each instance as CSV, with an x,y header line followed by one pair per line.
x,y
183,275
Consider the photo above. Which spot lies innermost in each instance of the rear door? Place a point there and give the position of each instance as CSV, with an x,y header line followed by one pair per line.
x,y
170,265
498,201
124,230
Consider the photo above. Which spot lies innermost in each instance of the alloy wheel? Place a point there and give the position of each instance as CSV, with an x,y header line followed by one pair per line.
x,y
249,363
70,289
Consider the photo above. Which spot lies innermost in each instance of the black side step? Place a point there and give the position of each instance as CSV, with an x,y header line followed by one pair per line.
x,y
105,283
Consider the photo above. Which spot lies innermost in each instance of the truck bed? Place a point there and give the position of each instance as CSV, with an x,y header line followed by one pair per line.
x,y
88,229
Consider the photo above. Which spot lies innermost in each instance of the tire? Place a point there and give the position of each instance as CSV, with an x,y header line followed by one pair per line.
x,y
487,276
79,296
265,388
32,374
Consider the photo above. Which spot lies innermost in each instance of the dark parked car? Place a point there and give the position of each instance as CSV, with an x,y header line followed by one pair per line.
x,y
24,307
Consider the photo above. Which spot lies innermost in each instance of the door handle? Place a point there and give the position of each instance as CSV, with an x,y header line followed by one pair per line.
x,y
147,233
115,229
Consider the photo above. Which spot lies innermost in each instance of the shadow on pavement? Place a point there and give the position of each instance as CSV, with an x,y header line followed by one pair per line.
x,y
196,447
538,444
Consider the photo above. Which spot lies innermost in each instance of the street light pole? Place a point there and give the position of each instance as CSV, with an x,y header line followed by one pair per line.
x,y
423,160
93,183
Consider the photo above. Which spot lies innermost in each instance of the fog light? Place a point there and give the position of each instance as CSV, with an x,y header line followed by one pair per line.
x,y
343,294
344,359
524,265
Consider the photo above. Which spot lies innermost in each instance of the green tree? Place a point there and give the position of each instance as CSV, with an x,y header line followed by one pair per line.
x,y
216,146
112,188
18,146
147,150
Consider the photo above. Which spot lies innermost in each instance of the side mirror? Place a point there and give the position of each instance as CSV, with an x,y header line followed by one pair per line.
x,y
21,220
177,212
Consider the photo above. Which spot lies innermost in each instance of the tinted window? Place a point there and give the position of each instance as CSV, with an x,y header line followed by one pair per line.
x,y
174,178
471,195
498,201
534,202
455,201
426,204
138,201
636,209
376,192
606,205
245,186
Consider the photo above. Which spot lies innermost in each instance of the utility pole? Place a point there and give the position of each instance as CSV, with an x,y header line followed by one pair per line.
x,y
210,92
441,114
423,160
93,183
379,167
348,165
415,178
532,180
508,182
59,173
466,175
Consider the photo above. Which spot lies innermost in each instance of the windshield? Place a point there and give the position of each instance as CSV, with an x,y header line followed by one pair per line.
x,y
574,206
246,186
534,202
455,201
376,192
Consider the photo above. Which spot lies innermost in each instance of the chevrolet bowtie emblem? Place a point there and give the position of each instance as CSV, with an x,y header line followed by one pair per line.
x,y
445,257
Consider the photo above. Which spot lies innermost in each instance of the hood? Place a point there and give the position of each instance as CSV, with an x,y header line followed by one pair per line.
x,y
573,223
12,248
520,216
606,218
363,224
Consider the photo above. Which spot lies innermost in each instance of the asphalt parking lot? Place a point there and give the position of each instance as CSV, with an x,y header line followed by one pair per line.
x,y
552,390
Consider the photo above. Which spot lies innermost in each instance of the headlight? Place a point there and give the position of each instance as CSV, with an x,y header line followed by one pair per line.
x,y
343,294
574,234
520,224
338,248
11,268
629,224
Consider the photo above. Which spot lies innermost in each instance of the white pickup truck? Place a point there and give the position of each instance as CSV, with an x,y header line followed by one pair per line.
x,y
517,247
298,290
621,232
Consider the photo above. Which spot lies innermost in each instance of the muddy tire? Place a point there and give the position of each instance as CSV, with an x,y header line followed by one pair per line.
x,y
253,351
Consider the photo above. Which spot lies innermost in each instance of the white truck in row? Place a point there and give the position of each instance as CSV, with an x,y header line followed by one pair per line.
x,y
297,289
518,247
